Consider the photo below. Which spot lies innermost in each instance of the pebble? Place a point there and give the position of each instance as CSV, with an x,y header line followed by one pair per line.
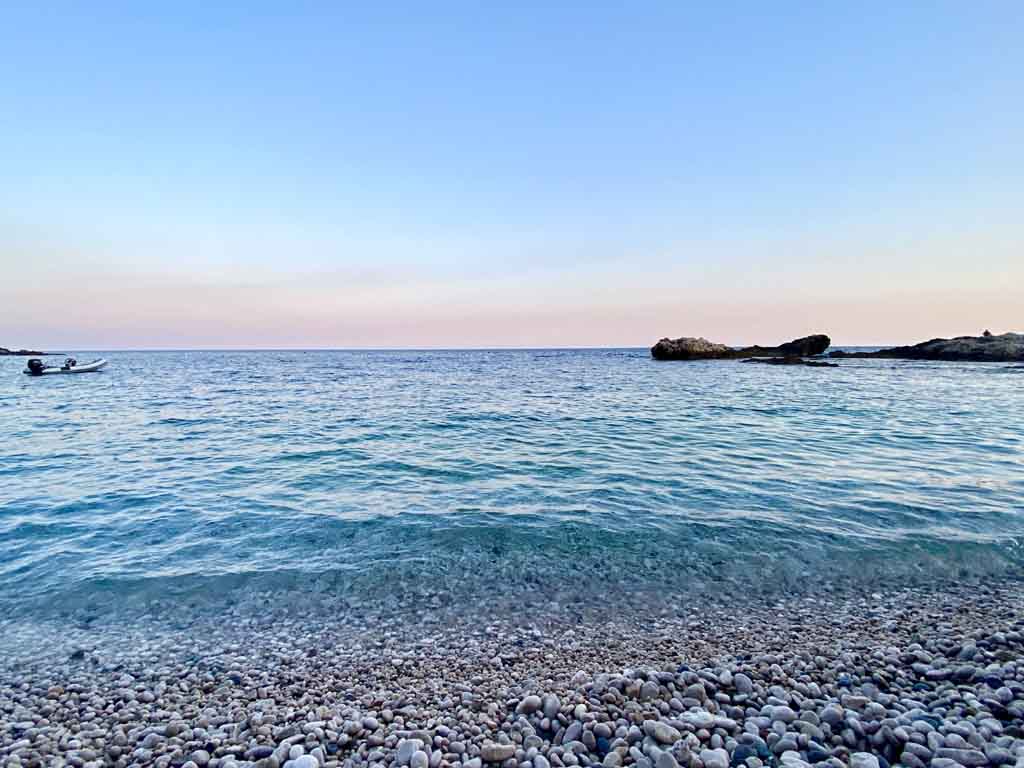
x,y
496,753
661,732
529,705
783,714
863,760
406,749
782,688
967,757
715,758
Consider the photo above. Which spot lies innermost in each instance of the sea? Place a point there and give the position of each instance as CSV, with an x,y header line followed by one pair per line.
x,y
501,478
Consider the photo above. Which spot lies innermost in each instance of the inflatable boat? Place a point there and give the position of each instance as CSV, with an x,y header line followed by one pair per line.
x,y
36,367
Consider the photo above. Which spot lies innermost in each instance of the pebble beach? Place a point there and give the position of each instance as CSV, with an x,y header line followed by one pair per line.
x,y
511,559
921,677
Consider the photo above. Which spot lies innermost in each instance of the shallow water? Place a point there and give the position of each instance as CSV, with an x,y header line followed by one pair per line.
x,y
383,475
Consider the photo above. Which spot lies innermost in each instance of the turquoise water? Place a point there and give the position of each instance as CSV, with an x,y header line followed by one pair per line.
x,y
206,476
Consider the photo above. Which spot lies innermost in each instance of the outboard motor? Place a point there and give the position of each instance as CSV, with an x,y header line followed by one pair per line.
x,y
35,366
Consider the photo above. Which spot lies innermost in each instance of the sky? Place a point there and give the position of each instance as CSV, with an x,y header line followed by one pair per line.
x,y
256,175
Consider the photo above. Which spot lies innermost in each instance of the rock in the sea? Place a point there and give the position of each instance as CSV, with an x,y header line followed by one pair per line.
x,y
688,348
1007,347
806,346
790,361
21,352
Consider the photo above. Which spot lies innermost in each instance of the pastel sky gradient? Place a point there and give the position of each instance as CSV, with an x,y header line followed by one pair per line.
x,y
448,174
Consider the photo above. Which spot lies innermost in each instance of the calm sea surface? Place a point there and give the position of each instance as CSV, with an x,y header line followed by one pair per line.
x,y
204,476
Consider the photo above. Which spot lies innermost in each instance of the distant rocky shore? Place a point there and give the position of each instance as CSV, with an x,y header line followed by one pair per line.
x,y
4,351
1004,348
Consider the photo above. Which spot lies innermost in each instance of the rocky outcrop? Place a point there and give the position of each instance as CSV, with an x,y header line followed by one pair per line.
x,y
689,348
1007,347
808,346
21,352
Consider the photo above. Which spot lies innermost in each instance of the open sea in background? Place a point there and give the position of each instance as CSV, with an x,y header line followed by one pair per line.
x,y
198,477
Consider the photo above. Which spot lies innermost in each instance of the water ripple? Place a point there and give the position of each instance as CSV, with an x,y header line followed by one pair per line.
x,y
370,473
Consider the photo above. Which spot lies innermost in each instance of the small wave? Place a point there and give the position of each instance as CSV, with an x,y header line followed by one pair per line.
x,y
180,421
500,472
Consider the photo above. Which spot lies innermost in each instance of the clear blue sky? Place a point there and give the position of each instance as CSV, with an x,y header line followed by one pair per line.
x,y
325,174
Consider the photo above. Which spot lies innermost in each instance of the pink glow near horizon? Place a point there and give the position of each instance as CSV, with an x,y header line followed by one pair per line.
x,y
117,311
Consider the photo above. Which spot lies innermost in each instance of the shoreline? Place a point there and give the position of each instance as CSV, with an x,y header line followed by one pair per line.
x,y
442,688
582,570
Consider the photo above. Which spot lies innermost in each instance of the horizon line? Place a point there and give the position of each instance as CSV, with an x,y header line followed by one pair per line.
x,y
494,348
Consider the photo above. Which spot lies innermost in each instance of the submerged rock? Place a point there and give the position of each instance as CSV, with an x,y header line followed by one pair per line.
x,y
690,348
790,361
1006,347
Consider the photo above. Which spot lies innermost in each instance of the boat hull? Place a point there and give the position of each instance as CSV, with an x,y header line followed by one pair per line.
x,y
92,367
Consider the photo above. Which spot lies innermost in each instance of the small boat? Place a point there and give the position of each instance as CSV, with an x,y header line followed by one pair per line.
x,y
36,367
